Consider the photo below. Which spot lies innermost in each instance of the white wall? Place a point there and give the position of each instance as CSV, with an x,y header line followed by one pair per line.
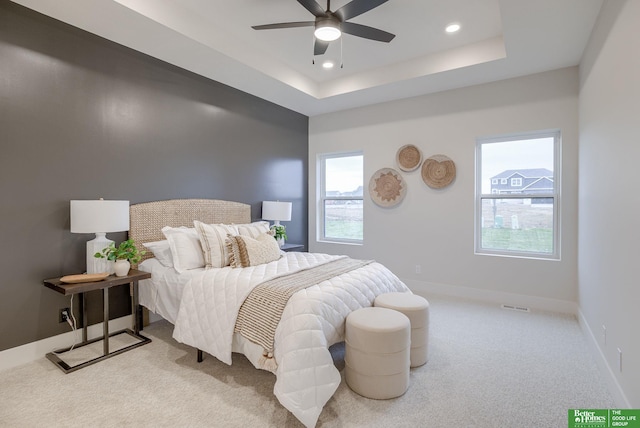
x,y
609,250
435,229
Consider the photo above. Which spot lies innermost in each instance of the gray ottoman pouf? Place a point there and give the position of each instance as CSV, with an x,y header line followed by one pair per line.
x,y
416,308
377,347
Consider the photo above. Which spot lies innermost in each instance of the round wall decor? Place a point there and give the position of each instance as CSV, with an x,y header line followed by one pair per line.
x,y
387,188
438,171
409,157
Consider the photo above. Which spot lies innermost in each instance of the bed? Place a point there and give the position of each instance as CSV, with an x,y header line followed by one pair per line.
x,y
218,309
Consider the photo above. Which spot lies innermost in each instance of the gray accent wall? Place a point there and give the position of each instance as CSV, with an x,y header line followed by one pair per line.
x,y
82,118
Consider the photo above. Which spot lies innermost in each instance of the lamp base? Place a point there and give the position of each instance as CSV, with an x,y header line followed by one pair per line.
x,y
95,265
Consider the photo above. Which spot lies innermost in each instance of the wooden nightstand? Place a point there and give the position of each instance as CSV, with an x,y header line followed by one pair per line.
x,y
81,288
292,247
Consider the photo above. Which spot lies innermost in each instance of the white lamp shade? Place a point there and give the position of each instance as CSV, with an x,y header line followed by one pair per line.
x,y
99,216
276,210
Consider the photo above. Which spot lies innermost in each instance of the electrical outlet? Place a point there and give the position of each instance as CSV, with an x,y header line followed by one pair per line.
x,y
418,269
604,334
63,315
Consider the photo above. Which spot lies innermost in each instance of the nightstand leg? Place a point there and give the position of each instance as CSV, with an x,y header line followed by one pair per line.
x,y
137,312
105,326
85,320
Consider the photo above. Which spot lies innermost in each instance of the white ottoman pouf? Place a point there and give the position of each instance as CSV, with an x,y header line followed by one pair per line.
x,y
377,346
416,308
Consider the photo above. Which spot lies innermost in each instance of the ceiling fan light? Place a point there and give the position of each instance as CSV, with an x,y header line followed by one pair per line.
x,y
327,30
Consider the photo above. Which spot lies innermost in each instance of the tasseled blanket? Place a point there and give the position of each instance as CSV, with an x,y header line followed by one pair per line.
x,y
261,311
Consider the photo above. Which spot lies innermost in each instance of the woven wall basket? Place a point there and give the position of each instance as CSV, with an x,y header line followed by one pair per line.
x,y
409,158
438,171
387,188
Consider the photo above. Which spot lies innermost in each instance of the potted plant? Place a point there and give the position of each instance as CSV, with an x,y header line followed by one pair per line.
x,y
280,233
123,255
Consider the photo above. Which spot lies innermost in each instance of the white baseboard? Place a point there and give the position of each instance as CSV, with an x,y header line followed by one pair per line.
x,y
29,352
605,369
498,297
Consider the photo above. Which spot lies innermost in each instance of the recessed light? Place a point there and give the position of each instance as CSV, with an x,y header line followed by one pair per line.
x,y
328,64
452,28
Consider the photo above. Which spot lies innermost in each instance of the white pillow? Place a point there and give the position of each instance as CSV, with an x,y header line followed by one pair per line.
x,y
185,248
254,229
212,237
161,251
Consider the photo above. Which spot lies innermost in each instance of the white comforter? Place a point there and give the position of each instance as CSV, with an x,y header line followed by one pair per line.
x,y
312,321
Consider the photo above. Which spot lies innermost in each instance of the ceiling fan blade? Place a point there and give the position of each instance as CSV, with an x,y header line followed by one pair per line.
x,y
320,47
313,7
284,25
367,32
357,7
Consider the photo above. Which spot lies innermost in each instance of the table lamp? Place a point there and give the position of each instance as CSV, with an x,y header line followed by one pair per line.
x,y
99,217
276,211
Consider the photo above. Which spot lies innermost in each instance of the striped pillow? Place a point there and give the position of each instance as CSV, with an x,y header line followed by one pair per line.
x,y
254,229
212,237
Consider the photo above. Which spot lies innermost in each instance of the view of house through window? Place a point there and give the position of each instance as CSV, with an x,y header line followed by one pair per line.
x,y
341,193
517,195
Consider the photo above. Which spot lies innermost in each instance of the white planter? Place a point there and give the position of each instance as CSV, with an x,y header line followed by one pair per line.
x,y
280,242
122,267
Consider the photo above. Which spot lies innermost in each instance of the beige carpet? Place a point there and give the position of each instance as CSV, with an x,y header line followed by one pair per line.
x,y
488,367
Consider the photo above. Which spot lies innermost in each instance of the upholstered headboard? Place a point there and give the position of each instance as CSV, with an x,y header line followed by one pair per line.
x,y
147,219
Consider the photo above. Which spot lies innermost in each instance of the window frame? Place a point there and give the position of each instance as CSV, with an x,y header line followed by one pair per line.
x,y
322,197
555,195
515,180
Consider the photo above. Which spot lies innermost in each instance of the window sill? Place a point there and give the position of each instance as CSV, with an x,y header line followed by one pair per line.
x,y
325,241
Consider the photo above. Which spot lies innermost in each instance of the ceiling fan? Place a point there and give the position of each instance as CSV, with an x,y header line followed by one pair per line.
x,y
329,25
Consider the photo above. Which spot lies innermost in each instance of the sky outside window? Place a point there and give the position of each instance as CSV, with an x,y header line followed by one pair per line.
x,y
343,174
521,154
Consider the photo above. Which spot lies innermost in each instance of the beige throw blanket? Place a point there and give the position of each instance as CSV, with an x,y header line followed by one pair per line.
x,y
261,311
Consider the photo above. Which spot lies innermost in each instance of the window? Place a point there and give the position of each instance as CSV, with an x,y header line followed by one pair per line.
x,y
340,213
523,220
503,181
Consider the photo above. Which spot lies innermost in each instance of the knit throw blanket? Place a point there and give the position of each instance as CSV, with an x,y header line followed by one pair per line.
x,y
262,309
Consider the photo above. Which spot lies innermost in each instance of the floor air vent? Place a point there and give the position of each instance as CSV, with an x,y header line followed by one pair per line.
x,y
516,308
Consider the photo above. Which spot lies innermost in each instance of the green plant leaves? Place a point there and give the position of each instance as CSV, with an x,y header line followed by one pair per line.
x,y
127,250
